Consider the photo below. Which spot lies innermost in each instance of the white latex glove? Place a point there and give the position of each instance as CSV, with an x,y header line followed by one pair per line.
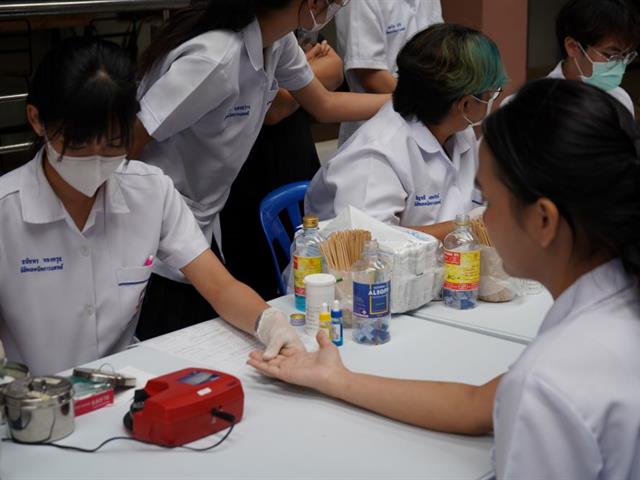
x,y
275,332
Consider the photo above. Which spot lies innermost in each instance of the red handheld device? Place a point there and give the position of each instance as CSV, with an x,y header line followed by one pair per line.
x,y
177,408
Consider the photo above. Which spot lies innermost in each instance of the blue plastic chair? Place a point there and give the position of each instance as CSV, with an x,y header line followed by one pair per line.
x,y
287,197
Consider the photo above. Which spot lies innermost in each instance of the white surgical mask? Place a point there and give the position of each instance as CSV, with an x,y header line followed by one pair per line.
x,y
85,174
332,9
489,104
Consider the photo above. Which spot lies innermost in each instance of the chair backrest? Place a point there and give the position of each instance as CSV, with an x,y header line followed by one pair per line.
x,y
287,197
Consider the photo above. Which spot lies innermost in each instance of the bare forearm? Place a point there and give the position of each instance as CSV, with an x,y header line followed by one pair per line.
x,y
351,107
446,407
234,301
376,81
438,230
328,70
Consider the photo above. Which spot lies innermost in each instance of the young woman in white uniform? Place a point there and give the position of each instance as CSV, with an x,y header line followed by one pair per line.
x,y
208,82
81,226
414,163
371,33
569,408
598,39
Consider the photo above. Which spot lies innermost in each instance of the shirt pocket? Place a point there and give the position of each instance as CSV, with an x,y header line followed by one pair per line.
x,y
132,284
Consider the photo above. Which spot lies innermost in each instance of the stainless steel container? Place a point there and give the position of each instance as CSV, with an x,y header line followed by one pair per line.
x,y
39,409
9,371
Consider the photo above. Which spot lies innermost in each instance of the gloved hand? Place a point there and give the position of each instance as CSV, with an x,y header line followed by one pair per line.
x,y
276,333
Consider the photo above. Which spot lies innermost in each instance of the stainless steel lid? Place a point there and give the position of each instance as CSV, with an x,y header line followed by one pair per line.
x,y
10,371
39,392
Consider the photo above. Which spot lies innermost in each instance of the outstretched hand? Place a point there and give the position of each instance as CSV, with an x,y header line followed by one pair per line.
x,y
307,369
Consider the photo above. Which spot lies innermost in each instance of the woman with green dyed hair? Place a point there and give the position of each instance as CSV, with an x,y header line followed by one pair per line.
x,y
414,163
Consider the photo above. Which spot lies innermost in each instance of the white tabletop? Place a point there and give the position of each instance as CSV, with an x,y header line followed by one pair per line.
x,y
288,432
517,321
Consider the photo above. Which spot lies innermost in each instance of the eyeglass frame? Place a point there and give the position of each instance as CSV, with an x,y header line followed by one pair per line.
x,y
496,93
625,58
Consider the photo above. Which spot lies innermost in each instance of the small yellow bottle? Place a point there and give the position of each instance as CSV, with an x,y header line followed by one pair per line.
x,y
325,320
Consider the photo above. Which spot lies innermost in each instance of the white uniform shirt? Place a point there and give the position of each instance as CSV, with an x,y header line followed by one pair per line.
x,y
371,33
204,106
570,406
618,93
68,297
396,171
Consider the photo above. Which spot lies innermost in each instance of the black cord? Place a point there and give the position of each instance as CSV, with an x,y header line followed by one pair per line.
x,y
216,413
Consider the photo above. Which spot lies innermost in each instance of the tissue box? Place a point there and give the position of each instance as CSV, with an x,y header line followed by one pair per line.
x,y
90,396
411,255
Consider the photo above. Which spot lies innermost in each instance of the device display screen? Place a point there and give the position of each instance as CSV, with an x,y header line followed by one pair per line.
x,y
198,378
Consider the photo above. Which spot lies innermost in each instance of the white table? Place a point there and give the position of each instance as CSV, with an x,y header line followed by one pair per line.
x,y
292,433
516,321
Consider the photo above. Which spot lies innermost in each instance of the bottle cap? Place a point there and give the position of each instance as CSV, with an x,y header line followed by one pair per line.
x,y
462,220
336,305
310,221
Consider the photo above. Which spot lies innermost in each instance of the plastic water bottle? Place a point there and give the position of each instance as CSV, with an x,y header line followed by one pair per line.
x,y
371,298
337,325
461,267
307,258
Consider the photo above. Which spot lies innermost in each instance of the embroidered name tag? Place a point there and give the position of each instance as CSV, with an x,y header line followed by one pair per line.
x,y
428,200
238,111
395,28
45,264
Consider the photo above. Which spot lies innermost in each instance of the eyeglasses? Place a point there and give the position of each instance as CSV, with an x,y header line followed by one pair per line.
x,y
494,95
625,57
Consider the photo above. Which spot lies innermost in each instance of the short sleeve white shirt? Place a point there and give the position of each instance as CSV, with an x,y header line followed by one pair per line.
x,y
396,171
371,33
205,104
570,406
69,296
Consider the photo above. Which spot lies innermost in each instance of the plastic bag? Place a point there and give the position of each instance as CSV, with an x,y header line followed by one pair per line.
x,y
495,285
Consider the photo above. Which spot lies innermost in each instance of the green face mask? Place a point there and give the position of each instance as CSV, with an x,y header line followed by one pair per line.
x,y
606,75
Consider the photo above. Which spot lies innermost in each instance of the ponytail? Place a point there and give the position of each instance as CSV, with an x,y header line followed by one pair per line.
x,y
203,16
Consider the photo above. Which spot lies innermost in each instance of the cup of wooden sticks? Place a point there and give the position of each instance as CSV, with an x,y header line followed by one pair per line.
x,y
341,250
495,285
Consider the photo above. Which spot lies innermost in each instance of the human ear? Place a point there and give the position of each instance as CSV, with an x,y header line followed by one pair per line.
x,y
572,47
33,116
543,221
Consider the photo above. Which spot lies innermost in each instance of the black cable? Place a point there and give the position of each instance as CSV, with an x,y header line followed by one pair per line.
x,y
216,413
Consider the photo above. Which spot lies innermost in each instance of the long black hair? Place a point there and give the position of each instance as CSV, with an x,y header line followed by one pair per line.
x,y
579,147
84,89
203,16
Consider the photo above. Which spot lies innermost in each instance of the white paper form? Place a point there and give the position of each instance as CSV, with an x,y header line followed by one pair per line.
x,y
214,343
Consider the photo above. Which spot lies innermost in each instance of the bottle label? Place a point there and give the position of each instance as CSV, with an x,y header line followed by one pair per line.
x,y
336,332
303,266
371,300
462,270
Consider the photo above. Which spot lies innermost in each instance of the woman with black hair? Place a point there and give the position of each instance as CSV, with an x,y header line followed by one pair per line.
x,y
208,82
81,226
560,170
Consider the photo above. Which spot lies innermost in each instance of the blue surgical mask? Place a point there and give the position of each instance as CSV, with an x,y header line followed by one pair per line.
x,y
606,75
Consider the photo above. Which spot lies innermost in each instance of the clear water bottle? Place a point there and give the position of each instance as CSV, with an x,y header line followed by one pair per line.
x,y
307,258
371,298
461,267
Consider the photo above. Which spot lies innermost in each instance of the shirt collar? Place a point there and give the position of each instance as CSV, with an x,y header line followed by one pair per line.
x,y
557,72
40,204
252,36
588,291
428,142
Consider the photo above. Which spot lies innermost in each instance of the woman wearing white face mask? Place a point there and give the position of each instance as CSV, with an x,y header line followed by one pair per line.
x,y
415,162
81,226
208,81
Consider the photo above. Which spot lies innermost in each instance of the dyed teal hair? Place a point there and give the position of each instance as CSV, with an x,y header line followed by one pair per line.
x,y
442,64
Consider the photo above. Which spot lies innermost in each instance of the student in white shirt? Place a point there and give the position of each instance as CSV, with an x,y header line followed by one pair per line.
x,y
414,163
598,40
82,226
371,33
562,209
208,81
